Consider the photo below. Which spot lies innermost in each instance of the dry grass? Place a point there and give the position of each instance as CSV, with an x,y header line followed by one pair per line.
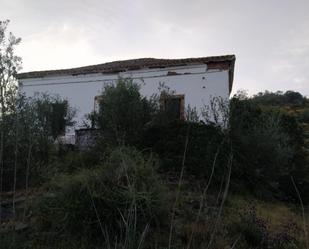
x,y
275,213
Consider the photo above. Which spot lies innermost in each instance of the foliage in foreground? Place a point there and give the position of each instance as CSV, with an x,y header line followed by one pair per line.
x,y
268,150
98,205
123,112
117,200
29,131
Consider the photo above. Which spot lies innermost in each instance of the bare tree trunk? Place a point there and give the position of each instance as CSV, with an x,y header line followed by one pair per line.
x,y
9,64
27,175
1,146
1,170
15,165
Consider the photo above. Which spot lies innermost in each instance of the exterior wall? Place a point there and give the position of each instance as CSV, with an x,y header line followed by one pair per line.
x,y
196,82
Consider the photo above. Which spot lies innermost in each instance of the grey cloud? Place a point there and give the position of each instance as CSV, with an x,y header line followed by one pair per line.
x,y
269,38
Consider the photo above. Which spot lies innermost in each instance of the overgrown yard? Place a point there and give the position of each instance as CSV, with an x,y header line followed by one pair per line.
x,y
150,181
245,223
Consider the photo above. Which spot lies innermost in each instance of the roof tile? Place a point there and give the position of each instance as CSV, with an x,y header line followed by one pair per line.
x,y
125,65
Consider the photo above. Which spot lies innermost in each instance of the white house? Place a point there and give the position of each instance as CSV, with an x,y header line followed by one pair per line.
x,y
194,80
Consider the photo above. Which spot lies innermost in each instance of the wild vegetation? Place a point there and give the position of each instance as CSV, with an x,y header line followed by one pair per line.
x,y
150,180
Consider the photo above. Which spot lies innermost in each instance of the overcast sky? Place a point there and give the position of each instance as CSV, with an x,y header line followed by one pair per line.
x,y
270,38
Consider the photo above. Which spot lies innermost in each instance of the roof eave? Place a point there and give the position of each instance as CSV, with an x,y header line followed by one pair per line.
x,y
117,66
231,74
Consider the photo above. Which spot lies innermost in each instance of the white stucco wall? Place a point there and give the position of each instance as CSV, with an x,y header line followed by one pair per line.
x,y
197,83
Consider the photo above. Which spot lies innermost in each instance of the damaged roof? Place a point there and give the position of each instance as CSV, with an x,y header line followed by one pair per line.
x,y
135,64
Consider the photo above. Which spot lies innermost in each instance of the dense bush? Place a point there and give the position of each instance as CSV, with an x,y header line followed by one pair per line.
x,y
101,204
267,148
30,130
267,144
204,142
123,113
279,98
304,116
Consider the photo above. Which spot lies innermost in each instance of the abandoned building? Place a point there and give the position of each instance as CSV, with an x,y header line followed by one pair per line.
x,y
194,81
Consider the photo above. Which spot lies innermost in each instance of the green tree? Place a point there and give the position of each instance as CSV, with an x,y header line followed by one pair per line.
x,y
268,148
9,65
123,112
279,98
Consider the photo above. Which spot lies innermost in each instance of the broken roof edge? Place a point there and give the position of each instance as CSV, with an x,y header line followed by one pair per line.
x,y
134,64
231,74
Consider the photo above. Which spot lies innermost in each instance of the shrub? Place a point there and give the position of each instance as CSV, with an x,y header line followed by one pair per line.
x,y
14,240
267,148
304,116
93,204
256,233
279,98
29,132
204,141
252,228
123,112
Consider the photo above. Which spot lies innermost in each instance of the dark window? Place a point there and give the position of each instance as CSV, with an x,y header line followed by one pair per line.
x,y
96,105
173,105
